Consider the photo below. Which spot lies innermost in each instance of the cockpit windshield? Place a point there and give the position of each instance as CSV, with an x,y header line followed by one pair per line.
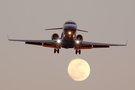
x,y
70,23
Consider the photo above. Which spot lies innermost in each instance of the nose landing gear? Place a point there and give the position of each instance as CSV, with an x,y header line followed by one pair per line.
x,y
77,51
56,50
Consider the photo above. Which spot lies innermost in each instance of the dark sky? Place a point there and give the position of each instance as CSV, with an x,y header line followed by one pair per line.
x,y
27,67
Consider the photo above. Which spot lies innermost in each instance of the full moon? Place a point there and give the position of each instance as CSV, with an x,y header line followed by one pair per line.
x,y
78,69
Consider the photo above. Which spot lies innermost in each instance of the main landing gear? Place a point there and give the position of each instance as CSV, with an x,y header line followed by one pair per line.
x,y
77,51
56,50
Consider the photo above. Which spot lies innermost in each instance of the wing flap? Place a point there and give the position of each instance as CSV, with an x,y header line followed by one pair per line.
x,y
83,47
91,46
34,43
100,46
49,45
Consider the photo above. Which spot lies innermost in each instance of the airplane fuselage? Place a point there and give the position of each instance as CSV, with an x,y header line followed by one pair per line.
x,y
69,34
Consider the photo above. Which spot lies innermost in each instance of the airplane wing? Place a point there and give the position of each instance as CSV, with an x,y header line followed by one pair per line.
x,y
45,43
90,45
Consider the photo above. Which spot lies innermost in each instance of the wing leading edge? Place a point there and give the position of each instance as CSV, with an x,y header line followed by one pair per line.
x,y
90,45
44,43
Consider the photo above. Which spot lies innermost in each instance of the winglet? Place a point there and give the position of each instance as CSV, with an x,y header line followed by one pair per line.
x,y
7,36
126,43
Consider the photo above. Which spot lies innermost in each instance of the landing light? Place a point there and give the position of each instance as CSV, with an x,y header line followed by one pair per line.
x,y
69,32
58,41
77,41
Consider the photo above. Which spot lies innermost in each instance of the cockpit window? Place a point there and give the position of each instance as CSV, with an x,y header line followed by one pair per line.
x,y
70,23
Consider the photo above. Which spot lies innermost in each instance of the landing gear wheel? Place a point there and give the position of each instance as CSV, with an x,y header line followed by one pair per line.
x,y
54,50
75,51
79,51
57,50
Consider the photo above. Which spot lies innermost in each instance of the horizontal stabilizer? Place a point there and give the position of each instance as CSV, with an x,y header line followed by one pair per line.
x,y
81,30
62,28
53,28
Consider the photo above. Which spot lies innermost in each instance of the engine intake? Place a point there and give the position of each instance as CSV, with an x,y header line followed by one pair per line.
x,y
55,36
79,37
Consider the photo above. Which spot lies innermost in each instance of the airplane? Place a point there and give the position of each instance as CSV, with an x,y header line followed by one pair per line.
x,y
68,39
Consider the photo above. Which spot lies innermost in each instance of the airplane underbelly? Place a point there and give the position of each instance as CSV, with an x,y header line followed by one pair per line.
x,y
67,46
68,42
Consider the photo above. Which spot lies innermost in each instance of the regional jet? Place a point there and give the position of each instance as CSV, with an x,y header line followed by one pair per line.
x,y
68,39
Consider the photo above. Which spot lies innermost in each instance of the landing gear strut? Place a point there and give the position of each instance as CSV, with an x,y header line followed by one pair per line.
x,y
56,50
77,51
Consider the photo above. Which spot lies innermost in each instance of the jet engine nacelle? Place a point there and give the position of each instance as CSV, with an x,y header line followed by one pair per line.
x,y
79,37
55,36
